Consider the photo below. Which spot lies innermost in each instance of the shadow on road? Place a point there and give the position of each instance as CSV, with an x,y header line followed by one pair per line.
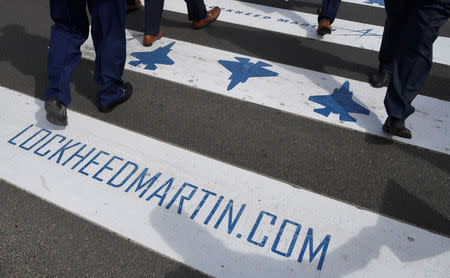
x,y
28,54
202,247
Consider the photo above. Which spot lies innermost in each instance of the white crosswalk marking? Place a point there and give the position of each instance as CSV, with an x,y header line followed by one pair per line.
x,y
373,3
301,24
290,90
220,219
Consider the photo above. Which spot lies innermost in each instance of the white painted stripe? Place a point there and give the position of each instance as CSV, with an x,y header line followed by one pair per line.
x,y
372,3
300,24
360,243
290,90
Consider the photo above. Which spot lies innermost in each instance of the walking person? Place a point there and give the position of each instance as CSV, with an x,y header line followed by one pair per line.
x,y
396,21
70,31
197,14
327,15
405,56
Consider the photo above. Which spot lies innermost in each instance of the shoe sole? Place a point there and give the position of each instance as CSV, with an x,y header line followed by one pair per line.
x,y
112,107
202,26
206,24
403,134
377,86
150,44
51,112
323,31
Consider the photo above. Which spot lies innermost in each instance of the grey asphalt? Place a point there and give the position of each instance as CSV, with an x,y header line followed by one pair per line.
x,y
39,239
393,179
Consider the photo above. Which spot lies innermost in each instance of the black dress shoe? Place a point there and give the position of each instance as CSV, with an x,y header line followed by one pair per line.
x,y
56,111
396,127
379,79
127,90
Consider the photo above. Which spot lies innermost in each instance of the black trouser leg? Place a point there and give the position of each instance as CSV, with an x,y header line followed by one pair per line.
x,y
196,9
153,14
413,60
396,21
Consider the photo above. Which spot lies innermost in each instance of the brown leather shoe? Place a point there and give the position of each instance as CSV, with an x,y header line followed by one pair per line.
x,y
211,16
149,39
324,27
132,7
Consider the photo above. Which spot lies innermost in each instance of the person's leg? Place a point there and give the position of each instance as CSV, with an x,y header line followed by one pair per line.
x,y
196,10
329,10
413,60
396,21
198,14
108,32
153,14
97,37
69,32
327,15
395,24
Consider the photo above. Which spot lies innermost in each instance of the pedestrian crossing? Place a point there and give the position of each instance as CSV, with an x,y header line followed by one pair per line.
x,y
223,219
299,24
210,215
283,87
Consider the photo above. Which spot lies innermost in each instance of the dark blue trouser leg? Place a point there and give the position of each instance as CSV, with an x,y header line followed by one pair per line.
x,y
329,10
413,60
108,34
70,30
396,21
196,9
153,13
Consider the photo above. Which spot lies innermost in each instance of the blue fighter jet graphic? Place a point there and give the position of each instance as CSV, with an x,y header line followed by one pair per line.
x,y
339,102
150,59
379,2
242,70
361,33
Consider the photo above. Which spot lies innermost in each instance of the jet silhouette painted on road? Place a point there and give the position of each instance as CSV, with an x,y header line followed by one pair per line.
x,y
339,102
242,70
150,59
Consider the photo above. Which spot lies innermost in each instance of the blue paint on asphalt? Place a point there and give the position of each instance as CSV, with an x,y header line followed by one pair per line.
x,y
150,59
242,70
361,33
339,102
379,2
